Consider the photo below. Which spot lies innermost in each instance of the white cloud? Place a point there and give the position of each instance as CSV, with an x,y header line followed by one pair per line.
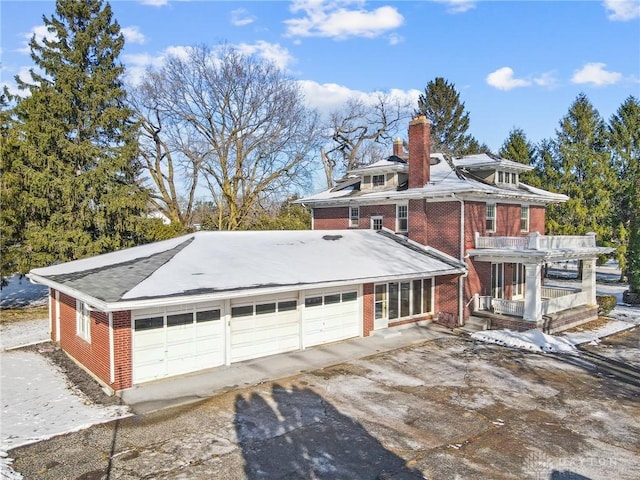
x,y
458,6
137,64
547,79
272,52
595,74
24,73
40,32
331,19
622,10
155,3
241,17
133,35
503,79
326,97
395,39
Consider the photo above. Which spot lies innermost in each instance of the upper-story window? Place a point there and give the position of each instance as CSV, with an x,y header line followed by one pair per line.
x,y
506,178
402,215
377,180
376,223
491,217
354,216
524,218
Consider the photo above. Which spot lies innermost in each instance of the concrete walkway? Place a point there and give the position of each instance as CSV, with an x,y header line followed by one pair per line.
x,y
156,395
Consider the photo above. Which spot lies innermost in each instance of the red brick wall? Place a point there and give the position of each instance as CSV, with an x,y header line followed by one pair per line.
x,y
368,308
94,354
333,218
537,219
388,212
418,221
419,152
443,227
446,295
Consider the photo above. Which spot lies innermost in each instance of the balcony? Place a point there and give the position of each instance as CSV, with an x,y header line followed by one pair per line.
x,y
535,241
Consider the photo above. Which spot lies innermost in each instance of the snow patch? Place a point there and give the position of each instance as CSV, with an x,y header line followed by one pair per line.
x,y
6,471
21,293
532,340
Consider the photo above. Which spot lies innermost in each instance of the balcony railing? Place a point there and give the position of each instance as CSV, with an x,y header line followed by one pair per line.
x,y
535,241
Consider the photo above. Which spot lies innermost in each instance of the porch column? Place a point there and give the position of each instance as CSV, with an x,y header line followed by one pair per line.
x,y
533,292
589,280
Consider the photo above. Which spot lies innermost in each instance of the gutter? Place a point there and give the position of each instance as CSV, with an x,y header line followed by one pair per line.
x,y
461,277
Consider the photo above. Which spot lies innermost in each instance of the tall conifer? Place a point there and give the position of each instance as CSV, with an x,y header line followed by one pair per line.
x,y
78,156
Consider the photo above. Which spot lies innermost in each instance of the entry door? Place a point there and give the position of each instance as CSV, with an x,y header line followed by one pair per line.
x,y
497,280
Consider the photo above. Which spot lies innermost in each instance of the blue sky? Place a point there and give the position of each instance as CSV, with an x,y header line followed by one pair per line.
x,y
515,64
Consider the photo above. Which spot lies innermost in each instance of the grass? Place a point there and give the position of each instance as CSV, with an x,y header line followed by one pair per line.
x,y
19,314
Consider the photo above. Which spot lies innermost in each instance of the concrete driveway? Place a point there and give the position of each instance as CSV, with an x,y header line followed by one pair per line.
x,y
442,409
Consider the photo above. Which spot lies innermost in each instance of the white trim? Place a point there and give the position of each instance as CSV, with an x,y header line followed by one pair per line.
x,y
494,217
374,218
50,305
112,367
351,216
522,207
225,315
83,320
57,315
405,205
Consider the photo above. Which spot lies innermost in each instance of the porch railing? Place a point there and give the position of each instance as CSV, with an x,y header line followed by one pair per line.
x,y
508,307
554,300
549,292
564,303
535,241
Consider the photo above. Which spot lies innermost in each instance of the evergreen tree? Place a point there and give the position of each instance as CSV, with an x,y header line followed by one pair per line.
x,y
78,152
441,104
624,140
518,149
585,174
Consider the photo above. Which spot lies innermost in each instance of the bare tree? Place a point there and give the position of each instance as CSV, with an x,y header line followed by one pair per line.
x,y
167,150
250,134
359,133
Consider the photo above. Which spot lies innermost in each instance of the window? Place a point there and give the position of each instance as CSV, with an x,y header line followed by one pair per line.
x,y
403,218
287,306
149,323
354,216
349,296
500,177
396,300
180,319
377,180
514,178
497,280
312,301
265,308
376,223
207,316
518,280
83,320
331,299
244,311
491,217
524,218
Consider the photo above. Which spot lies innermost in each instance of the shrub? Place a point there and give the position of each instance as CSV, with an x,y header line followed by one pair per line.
x,y
606,303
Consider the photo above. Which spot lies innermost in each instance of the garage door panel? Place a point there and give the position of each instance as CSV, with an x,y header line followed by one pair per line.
x,y
336,317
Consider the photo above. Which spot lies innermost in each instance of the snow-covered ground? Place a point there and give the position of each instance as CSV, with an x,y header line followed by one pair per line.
x,y
533,340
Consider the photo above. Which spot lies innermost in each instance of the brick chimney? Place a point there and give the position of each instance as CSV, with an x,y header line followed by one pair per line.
x,y
398,148
419,151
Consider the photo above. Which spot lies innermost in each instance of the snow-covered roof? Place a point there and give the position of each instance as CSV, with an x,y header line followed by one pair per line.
x,y
444,181
485,161
222,264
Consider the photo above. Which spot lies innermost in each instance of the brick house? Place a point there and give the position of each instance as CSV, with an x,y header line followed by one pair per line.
x,y
214,298
473,208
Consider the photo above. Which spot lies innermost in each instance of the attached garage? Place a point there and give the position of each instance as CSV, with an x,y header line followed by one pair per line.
x,y
331,315
173,341
214,298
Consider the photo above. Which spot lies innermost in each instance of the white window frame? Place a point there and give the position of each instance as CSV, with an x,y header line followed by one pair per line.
x,y
405,217
518,281
524,219
497,280
375,219
374,177
493,208
354,216
83,320
385,308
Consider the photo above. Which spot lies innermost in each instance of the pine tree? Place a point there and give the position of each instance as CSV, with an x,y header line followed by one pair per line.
x,y
624,140
441,104
518,149
78,152
585,174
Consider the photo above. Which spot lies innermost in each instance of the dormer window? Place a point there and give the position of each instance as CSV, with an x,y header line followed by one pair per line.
x,y
377,180
506,178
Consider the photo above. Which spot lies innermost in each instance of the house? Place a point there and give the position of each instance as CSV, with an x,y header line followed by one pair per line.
x,y
476,209
410,238
214,298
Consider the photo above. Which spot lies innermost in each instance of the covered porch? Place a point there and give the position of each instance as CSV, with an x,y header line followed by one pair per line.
x,y
533,301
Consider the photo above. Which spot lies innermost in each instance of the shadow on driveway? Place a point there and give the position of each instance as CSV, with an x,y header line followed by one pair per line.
x,y
297,434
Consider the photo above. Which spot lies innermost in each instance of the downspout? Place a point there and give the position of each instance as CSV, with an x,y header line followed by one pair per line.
x,y
461,277
112,371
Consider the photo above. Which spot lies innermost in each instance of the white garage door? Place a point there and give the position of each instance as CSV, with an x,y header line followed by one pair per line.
x,y
174,342
331,315
263,326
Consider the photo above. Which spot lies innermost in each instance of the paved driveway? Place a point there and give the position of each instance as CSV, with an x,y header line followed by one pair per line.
x,y
443,409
